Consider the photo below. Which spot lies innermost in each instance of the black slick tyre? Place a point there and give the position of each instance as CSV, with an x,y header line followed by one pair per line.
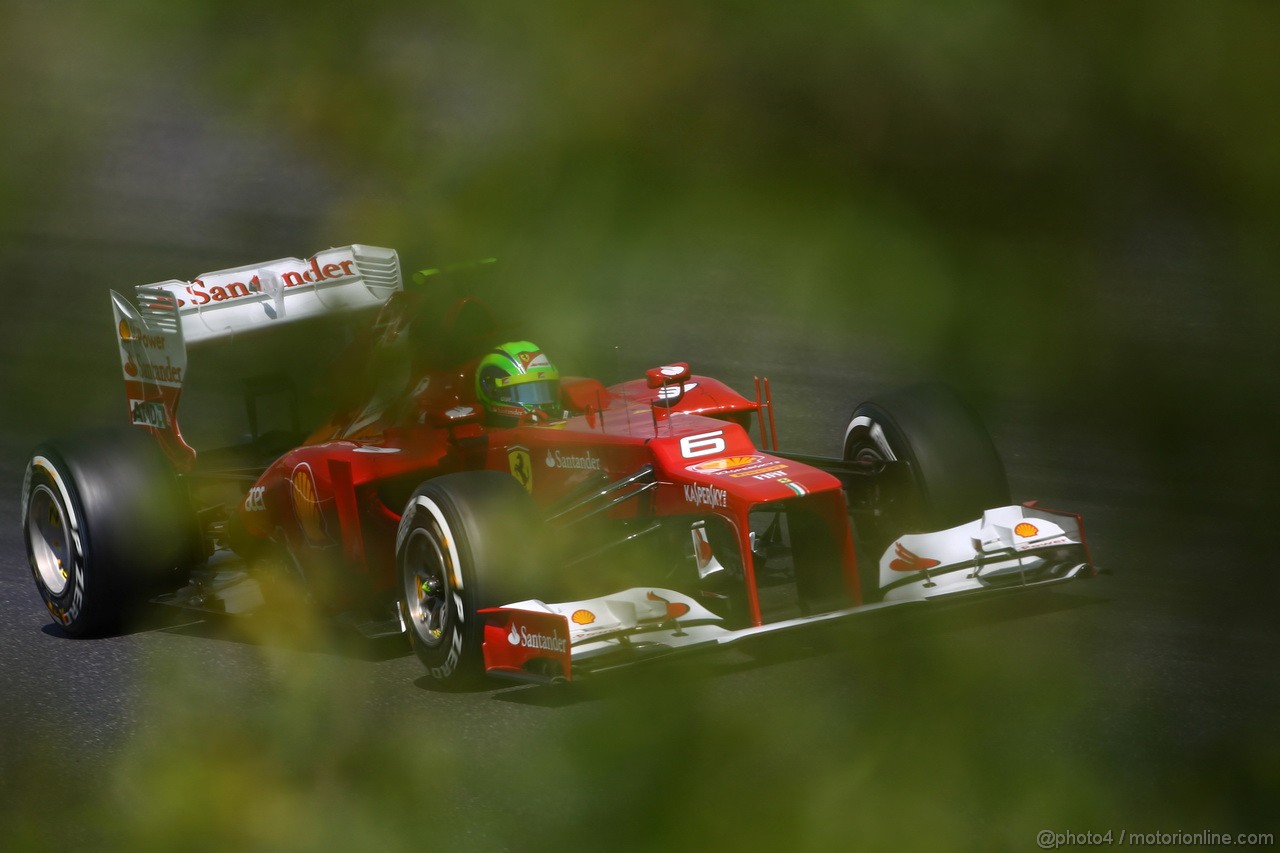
x,y
952,471
467,541
107,524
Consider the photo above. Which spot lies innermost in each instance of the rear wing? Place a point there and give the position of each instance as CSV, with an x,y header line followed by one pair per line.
x,y
173,315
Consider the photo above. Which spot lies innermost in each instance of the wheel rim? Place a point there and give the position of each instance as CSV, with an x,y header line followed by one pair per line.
x,y
867,454
864,448
866,442
49,533
900,499
427,588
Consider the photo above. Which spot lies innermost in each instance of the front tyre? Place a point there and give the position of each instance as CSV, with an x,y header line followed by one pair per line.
x,y
950,471
467,541
107,523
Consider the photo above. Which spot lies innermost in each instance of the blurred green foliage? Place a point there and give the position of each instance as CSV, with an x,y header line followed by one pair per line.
x,y
1001,190
987,185
911,736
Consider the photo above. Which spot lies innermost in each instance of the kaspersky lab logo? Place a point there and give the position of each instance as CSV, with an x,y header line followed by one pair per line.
x,y
708,496
522,636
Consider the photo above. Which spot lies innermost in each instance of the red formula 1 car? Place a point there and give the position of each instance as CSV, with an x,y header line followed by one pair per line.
x,y
508,519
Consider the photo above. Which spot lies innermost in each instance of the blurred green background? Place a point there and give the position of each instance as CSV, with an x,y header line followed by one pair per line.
x,y
1071,204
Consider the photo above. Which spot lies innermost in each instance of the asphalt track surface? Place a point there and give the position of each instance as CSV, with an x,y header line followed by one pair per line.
x,y
1146,699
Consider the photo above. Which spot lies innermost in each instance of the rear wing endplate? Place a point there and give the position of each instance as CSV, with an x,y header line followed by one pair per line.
x,y
173,315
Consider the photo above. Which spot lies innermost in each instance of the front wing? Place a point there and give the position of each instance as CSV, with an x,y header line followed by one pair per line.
x,y
1015,547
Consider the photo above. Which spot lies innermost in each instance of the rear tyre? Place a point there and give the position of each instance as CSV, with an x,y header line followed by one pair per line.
x,y
953,472
107,524
467,541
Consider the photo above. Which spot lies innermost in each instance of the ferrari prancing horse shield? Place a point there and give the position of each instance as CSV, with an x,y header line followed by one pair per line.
x,y
521,466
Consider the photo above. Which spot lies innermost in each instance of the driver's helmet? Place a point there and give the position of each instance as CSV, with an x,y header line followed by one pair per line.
x,y
516,380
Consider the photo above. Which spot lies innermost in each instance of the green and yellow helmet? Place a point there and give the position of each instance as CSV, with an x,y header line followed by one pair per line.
x,y
517,380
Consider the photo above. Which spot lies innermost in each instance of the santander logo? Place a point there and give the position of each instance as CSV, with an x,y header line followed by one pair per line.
x,y
221,286
556,459
521,636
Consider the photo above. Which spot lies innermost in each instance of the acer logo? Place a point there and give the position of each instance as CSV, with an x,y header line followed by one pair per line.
x,y
149,413
253,501
202,293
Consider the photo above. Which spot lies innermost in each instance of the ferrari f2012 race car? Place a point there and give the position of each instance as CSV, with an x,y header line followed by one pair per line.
x,y
508,519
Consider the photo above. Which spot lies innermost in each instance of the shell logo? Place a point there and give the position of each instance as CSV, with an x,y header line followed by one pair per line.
x,y
728,463
583,617
1026,530
306,504
126,331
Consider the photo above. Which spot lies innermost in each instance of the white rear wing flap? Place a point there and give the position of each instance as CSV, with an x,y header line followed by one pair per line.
x,y
172,315
259,296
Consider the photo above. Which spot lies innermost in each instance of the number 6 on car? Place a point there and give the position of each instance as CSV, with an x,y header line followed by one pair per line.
x,y
702,444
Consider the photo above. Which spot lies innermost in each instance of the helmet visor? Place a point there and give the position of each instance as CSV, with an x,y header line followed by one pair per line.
x,y
539,392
